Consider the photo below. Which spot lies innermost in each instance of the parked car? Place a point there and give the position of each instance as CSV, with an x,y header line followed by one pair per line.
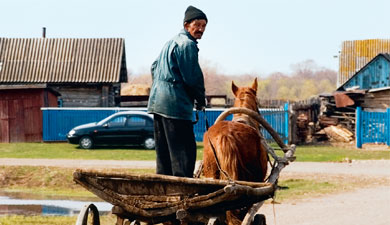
x,y
122,128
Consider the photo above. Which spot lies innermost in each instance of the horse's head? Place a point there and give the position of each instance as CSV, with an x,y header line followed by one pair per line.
x,y
245,97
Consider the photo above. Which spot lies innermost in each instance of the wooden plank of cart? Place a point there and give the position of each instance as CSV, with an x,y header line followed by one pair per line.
x,y
154,198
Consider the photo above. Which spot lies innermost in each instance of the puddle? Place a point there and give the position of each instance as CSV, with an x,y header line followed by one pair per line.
x,y
47,207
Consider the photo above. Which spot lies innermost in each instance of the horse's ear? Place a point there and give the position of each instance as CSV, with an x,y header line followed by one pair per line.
x,y
254,85
234,88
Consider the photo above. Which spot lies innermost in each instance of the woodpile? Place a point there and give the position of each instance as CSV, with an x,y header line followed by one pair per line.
x,y
340,109
332,116
304,120
338,133
320,119
135,89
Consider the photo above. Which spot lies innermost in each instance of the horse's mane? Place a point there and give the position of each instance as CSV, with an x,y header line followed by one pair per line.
x,y
246,98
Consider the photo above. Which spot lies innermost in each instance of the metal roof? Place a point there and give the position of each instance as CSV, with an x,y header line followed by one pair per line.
x,y
62,60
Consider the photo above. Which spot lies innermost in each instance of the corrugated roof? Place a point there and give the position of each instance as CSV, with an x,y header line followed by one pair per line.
x,y
62,60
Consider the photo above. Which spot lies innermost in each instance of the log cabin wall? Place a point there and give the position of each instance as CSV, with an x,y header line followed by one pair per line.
x,y
376,100
96,95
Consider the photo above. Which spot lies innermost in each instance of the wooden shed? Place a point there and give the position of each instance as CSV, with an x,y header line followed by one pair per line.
x,y
20,111
87,72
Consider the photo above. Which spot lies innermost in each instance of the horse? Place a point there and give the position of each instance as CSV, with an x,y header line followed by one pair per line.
x,y
237,146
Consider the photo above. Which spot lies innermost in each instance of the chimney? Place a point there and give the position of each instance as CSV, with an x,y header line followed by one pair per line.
x,y
44,32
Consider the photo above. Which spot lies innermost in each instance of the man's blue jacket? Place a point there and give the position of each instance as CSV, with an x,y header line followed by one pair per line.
x,y
177,79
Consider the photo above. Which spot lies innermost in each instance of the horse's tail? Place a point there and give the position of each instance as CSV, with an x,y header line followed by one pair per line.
x,y
227,154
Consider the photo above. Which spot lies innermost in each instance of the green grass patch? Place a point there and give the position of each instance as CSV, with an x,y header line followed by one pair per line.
x,y
68,151
337,154
47,182
292,189
50,220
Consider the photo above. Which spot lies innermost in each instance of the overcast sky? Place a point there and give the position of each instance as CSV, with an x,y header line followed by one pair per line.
x,y
259,36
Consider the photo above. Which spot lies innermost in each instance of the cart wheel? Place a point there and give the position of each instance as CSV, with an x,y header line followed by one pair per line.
x,y
82,219
259,220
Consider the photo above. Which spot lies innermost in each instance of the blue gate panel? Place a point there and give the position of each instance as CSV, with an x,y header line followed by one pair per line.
x,y
372,127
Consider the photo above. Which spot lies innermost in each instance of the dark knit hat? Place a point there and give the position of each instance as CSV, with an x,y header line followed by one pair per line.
x,y
193,13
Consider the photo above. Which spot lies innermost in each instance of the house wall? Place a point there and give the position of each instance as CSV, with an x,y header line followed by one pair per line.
x,y
20,114
93,95
379,100
375,75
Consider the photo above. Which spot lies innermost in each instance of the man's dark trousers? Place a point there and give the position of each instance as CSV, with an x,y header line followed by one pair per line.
x,y
175,146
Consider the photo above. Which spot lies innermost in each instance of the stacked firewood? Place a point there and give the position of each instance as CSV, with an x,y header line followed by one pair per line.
x,y
339,133
336,123
321,120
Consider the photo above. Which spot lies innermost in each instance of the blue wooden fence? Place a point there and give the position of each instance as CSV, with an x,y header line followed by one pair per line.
x,y
57,122
372,127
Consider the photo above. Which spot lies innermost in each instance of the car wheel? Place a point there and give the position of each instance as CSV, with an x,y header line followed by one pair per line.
x,y
149,143
86,142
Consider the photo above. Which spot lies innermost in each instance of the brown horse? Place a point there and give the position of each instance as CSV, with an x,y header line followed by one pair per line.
x,y
237,146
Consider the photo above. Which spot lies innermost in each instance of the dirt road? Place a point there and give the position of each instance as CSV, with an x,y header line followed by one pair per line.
x,y
360,207
369,205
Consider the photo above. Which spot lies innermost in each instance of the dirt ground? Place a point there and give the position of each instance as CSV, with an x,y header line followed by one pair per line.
x,y
369,204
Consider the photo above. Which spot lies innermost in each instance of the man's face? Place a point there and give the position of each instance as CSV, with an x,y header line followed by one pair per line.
x,y
196,28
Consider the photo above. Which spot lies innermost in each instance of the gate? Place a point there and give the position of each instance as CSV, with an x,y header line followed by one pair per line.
x,y
372,127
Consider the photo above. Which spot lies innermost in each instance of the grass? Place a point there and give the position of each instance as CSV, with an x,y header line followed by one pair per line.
x,y
49,220
47,182
293,189
338,154
68,151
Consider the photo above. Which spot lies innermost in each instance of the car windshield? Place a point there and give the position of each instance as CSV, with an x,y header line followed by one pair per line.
x,y
105,120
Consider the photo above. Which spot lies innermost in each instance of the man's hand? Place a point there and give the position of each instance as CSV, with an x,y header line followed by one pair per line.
x,y
199,107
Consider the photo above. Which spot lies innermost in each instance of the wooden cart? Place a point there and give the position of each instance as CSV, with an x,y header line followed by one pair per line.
x,y
153,198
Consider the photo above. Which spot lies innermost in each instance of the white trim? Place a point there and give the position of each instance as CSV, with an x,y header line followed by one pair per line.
x,y
21,86
379,89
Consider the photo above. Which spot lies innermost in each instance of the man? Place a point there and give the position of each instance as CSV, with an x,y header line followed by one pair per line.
x,y
177,84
